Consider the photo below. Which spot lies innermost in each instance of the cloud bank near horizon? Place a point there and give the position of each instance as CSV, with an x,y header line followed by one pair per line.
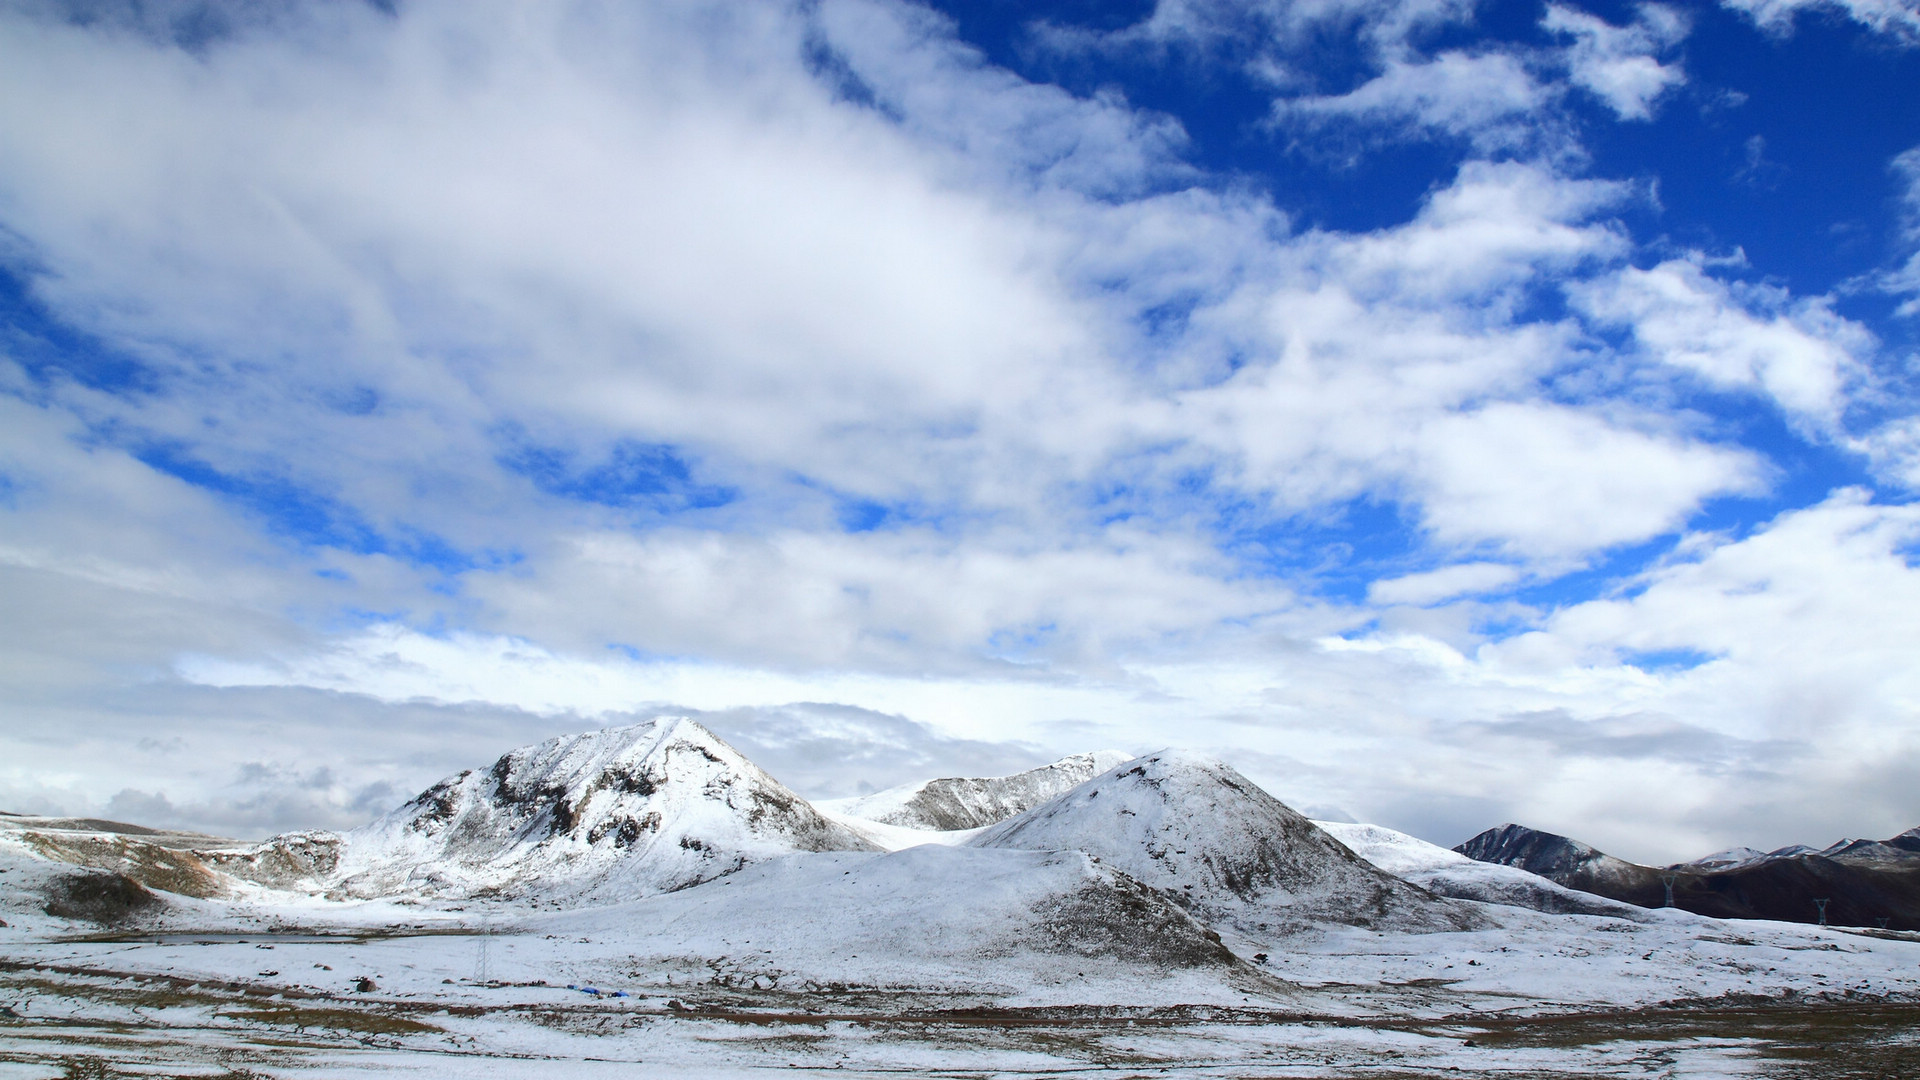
x,y
457,373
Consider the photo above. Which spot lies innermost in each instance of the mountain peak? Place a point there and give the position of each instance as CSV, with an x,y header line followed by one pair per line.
x,y
1537,852
953,803
621,811
1190,826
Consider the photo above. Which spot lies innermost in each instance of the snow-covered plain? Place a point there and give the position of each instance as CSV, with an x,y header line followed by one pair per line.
x,y
974,954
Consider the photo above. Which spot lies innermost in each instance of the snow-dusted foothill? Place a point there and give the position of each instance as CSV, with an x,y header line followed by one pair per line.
x,y
1013,926
1445,872
1191,827
608,815
144,858
952,804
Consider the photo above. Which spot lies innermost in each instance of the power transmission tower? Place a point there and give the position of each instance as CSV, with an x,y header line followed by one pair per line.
x,y
1669,879
1822,905
482,961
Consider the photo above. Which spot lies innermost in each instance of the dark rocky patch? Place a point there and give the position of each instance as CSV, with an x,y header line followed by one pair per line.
x,y
104,898
1126,919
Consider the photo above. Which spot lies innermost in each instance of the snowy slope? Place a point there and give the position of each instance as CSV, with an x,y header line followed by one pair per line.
x,y
1020,926
609,814
956,803
1196,830
1444,872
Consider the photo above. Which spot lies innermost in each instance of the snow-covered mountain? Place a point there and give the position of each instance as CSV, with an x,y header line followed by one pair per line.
x,y
1901,850
1851,883
954,803
616,813
1448,873
1192,828
1557,858
1724,860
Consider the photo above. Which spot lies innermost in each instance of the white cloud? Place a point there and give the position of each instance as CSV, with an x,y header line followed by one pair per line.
x,y
1799,353
1906,168
890,601
1545,480
1495,229
1619,63
1400,371
1265,32
1491,100
1899,19
1446,583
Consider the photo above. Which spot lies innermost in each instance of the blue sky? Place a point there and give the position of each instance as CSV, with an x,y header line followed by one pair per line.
x,y
1450,413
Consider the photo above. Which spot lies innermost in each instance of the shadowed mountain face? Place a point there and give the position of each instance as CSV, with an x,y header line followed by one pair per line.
x,y
1561,859
1863,882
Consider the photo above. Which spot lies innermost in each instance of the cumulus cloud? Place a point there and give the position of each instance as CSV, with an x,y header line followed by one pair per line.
x,y
1501,474
1715,693
1619,64
1798,352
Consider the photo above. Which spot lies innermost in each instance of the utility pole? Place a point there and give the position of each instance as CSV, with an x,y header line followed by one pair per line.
x,y
1822,905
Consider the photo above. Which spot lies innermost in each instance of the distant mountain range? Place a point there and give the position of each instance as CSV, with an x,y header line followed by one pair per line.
x,y
1870,883
625,813
651,809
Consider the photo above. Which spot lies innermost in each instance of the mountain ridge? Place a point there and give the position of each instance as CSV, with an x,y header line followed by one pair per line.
x,y
1851,883
951,804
